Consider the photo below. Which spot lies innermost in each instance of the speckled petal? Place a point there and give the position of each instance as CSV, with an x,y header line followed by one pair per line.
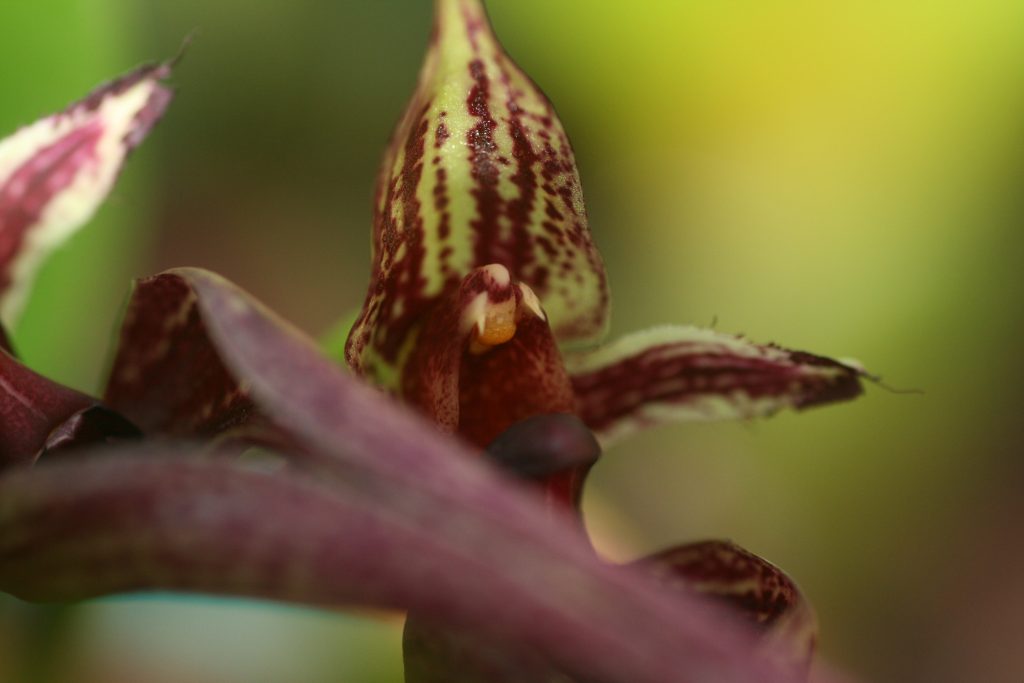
x,y
479,171
167,375
756,589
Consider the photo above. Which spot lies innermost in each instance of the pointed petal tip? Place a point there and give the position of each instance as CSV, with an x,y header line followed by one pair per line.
x,y
691,374
55,173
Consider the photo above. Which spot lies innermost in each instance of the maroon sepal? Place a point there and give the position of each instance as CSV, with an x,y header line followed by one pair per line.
x,y
758,591
167,376
31,407
56,172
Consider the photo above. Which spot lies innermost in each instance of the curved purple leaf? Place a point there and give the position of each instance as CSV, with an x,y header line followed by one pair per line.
x,y
402,516
554,595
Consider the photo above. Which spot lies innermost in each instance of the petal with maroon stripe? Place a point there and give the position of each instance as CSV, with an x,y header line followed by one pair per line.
x,y
479,171
687,373
56,172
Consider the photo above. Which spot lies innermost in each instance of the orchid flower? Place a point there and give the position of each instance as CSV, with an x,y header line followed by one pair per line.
x,y
443,474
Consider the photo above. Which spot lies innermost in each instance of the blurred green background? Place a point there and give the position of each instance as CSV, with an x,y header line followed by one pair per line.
x,y
840,177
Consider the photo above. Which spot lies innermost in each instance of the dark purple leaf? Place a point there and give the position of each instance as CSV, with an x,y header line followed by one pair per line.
x,y
540,585
93,425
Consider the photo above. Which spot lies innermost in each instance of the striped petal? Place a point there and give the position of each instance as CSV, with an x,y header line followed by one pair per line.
x,y
479,171
687,373
756,589
55,173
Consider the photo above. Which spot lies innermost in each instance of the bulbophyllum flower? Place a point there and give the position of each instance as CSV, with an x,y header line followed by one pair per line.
x,y
483,321
489,301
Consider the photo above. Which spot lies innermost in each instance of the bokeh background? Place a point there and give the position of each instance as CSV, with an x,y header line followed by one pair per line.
x,y
840,177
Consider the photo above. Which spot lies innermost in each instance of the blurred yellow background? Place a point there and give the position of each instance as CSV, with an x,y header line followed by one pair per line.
x,y
838,177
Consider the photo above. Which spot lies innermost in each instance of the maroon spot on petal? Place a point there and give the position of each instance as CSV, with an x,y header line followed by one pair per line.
x,y
442,134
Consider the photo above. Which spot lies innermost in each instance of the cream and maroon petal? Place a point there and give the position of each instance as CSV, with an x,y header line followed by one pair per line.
x,y
687,373
479,171
756,589
55,173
